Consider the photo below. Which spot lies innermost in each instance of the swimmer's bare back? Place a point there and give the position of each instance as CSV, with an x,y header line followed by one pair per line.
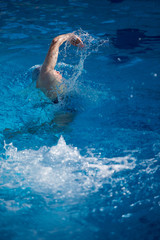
x,y
49,80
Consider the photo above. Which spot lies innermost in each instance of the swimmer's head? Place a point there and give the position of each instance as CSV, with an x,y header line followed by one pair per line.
x,y
36,72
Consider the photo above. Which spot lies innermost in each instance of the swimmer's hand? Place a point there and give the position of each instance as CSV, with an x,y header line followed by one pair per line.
x,y
76,41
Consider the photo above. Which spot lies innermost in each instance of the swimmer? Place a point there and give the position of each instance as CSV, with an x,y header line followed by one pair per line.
x,y
47,78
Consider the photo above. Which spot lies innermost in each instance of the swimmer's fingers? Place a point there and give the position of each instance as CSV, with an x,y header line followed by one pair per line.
x,y
76,41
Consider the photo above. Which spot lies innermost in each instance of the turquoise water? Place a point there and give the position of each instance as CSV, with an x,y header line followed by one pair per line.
x,y
88,167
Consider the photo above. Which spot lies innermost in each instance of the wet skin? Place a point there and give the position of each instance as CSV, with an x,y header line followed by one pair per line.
x,y
50,80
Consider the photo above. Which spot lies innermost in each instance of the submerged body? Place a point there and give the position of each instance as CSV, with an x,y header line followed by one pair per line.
x,y
47,78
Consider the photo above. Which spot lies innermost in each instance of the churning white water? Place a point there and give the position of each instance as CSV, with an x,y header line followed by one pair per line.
x,y
60,170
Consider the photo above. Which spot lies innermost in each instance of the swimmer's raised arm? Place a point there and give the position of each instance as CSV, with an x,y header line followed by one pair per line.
x,y
52,55
49,80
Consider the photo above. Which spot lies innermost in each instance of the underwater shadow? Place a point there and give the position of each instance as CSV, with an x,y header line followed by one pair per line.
x,y
30,132
134,40
131,38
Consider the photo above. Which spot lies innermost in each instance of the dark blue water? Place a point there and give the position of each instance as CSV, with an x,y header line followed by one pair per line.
x,y
89,167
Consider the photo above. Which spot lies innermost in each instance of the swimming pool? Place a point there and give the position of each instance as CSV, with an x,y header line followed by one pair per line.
x,y
87,168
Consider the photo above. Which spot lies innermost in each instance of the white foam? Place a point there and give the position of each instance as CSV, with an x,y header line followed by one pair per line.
x,y
60,170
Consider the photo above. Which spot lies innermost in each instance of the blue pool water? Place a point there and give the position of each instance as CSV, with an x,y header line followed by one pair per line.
x,y
89,167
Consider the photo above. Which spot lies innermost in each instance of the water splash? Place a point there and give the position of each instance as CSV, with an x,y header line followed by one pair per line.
x,y
74,71
60,170
91,45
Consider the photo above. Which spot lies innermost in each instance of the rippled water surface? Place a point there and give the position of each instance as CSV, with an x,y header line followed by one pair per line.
x,y
88,167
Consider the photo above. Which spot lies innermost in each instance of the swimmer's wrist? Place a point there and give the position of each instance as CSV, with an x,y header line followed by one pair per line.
x,y
62,38
71,37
